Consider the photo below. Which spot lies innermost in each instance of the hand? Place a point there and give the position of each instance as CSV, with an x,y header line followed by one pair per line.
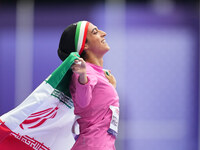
x,y
79,67
110,78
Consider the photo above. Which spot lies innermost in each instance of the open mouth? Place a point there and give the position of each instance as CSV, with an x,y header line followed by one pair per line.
x,y
103,41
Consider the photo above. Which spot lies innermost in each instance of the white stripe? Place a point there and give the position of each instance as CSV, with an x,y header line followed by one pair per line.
x,y
81,35
58,128
39,96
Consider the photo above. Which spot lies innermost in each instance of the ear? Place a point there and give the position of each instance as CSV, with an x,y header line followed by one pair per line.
x,y
86,46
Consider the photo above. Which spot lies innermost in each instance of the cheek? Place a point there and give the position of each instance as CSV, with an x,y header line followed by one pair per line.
x,y
95,43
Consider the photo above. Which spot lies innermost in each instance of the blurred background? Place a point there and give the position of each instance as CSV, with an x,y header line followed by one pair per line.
x,y
154,56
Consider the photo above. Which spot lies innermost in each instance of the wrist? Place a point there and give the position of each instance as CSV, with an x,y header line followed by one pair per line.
x,y
83,78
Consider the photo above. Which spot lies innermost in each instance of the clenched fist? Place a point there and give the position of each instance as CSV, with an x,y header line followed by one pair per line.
x,y
79,67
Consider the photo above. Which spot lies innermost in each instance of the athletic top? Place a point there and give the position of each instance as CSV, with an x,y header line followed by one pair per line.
x,y
91,102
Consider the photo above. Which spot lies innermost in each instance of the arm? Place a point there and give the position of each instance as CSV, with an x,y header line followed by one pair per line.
x,y
79,67
83,81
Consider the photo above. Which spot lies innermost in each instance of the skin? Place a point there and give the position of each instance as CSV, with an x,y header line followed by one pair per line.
x,y
95,48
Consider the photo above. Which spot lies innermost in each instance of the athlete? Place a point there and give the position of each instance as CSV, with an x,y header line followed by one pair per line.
x,y
93,89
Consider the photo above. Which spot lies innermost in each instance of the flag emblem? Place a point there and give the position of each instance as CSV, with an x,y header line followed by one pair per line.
x,y
37,119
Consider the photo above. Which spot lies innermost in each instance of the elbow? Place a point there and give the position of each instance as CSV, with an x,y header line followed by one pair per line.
x,y
83,102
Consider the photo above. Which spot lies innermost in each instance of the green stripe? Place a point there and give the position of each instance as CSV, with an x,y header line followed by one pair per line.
x,y
63,98
58,75
77,34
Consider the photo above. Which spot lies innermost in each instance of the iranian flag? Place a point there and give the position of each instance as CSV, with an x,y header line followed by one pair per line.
x,y
43,121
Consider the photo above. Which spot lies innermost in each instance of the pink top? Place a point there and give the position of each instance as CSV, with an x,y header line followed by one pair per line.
x,y
91,103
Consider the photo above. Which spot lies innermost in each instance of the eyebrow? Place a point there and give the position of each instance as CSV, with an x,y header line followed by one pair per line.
x,y
93,30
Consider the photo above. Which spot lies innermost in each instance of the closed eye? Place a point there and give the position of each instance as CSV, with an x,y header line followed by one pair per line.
x,y
95,31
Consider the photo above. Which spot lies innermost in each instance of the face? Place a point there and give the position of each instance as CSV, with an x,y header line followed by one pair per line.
x,y
96,42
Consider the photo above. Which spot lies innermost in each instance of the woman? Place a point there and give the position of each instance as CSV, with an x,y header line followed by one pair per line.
x,y
92,89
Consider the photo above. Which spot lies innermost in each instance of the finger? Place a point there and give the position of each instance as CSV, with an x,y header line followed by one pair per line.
x,y
79,58
75,65
78,62
107,73
76,56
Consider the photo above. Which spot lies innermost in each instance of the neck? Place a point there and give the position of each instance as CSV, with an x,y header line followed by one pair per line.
x,y
95,60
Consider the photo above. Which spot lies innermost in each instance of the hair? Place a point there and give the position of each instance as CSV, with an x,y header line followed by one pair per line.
x,y
84,55
67,43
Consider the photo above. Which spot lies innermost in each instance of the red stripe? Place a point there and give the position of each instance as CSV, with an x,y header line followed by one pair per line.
x,y
39,124
8,142
11,143
29,120
84,38
53,115
4,131
41,112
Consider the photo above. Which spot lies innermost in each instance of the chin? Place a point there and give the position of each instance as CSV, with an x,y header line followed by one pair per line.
x,y
105,51
108,48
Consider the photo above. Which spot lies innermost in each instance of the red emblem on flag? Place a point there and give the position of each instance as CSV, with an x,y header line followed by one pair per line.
x,y
37,119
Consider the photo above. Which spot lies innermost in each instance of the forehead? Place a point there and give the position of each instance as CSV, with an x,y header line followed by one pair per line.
x,y
91,27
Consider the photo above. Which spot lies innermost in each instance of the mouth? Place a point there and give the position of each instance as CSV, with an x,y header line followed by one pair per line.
x,y
103,41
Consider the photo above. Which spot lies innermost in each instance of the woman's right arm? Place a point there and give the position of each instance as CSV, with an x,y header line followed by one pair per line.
x,y
79,67
83,82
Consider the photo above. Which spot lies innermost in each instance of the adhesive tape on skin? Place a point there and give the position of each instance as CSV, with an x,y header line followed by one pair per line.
x,y
78,63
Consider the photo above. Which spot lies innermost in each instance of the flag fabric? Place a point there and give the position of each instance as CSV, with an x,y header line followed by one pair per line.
x,y
43,121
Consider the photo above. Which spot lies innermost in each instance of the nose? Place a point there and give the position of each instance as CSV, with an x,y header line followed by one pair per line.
x,y
103,33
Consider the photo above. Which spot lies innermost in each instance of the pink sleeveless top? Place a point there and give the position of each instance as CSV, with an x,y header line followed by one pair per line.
x,y
91,103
